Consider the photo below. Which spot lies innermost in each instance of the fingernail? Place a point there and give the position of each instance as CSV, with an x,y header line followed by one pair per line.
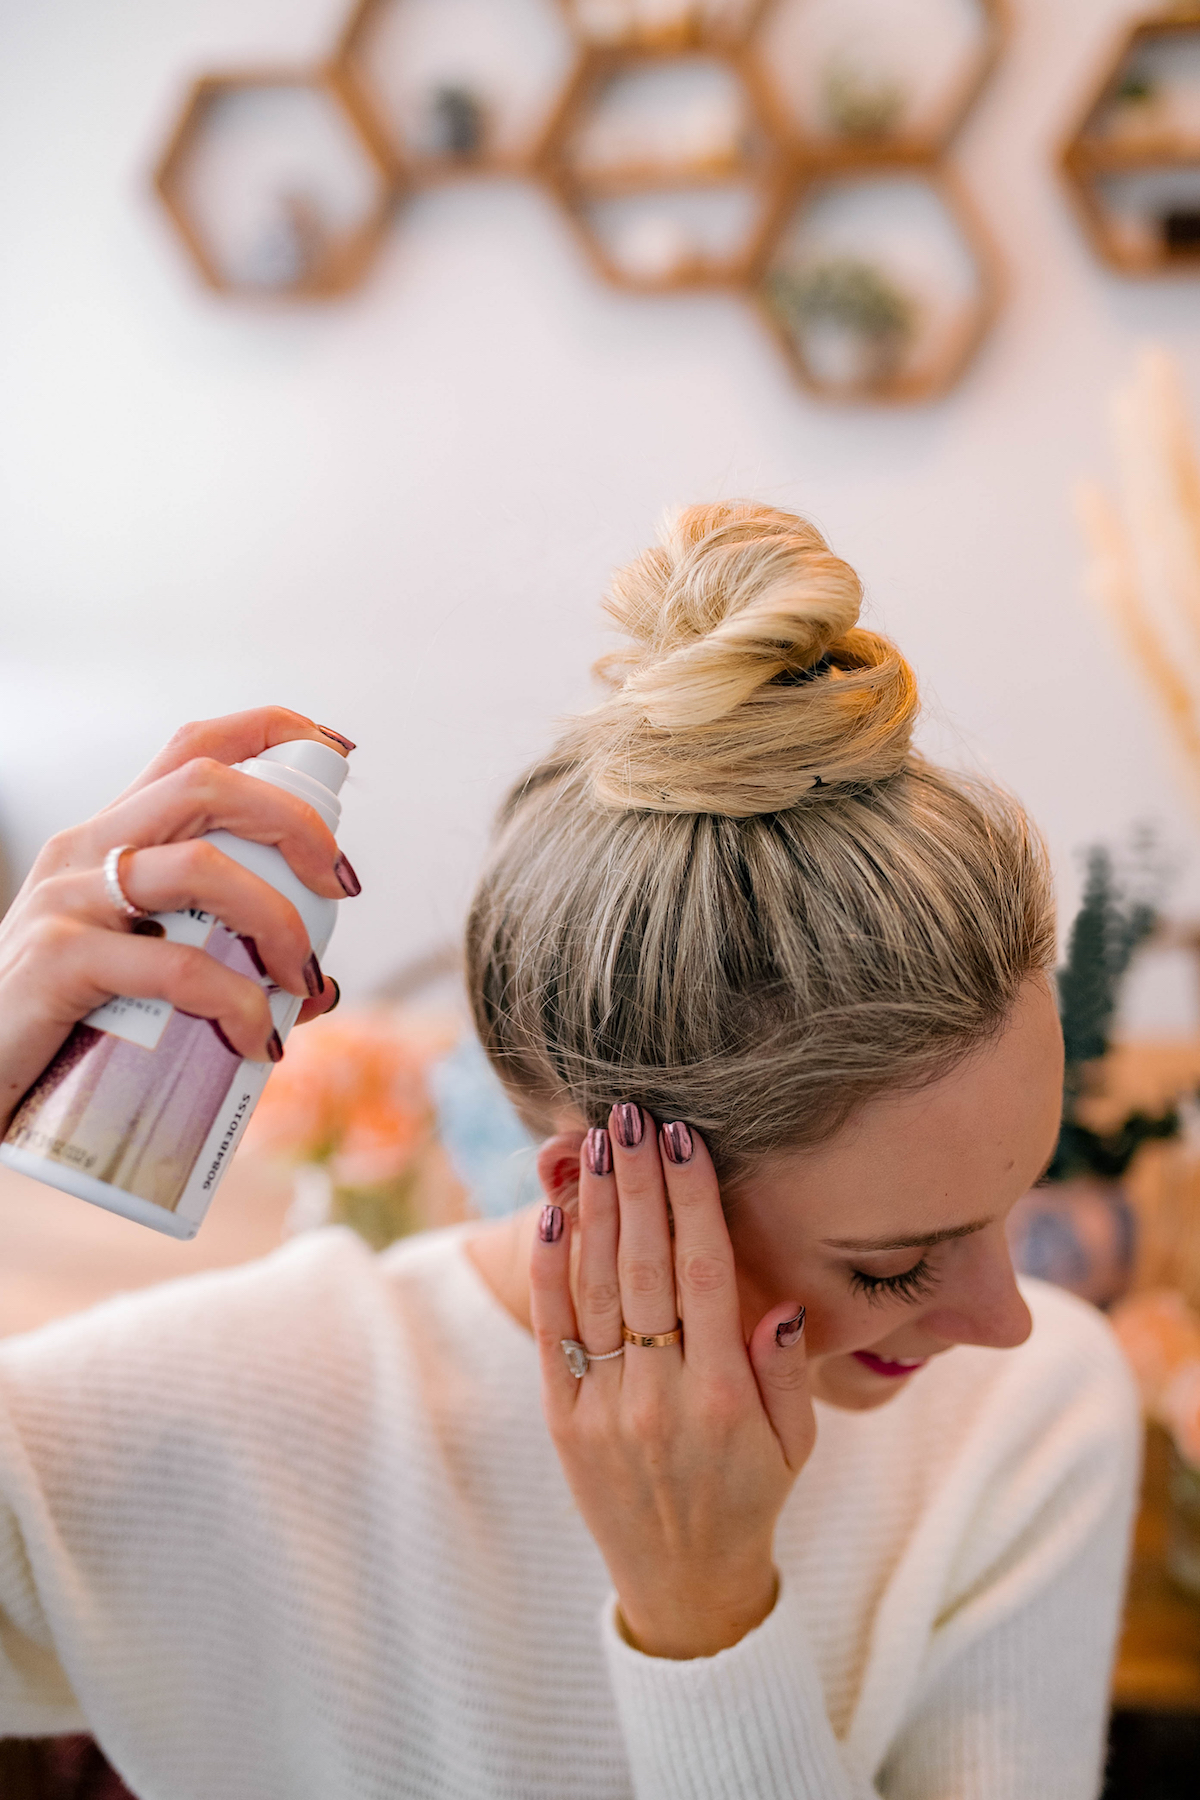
x,y
312,976
337,737
550,1225
598,1151
677,1142
349,880
337,995
148,928
627,1123
251,949
788,1333
275,1047
221,1038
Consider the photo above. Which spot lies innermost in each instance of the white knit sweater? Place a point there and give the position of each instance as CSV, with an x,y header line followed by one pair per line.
x,y
297,1532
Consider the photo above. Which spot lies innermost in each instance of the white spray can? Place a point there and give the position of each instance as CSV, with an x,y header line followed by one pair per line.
x,y
143,1106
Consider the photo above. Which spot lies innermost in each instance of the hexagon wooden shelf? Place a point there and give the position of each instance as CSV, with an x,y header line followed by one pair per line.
x,y
666,137
867,108
867,316
731,155
426,87
275,185
1133,161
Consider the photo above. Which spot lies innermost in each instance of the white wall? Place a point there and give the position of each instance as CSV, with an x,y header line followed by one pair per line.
x,y
397,512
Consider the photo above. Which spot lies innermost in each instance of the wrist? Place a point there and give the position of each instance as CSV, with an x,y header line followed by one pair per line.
x,y
680,1625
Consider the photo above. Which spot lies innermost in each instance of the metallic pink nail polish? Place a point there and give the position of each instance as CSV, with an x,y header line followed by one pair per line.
x,y
275,1047
627,1124
788,1332
597,1151
351,885
312,977
550,1225
677,1142
337,737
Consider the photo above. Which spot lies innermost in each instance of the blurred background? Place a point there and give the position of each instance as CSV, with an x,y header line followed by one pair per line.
x,y
396,508
346,348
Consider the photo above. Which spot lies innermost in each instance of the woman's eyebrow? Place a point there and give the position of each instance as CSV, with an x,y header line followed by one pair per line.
x,y
923,1242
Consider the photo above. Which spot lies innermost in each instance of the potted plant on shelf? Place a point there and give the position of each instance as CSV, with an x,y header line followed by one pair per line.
x,y
1077,1227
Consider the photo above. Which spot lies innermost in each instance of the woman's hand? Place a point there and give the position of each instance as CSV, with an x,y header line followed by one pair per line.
x,y
679,1458
64,949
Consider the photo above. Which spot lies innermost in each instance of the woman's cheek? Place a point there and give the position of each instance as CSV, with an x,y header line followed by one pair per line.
x,y
837,1324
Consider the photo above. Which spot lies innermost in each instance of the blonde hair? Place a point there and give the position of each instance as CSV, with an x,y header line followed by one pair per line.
x,y
733,893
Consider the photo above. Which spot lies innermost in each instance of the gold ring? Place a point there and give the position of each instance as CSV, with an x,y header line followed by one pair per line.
x,y
658,1342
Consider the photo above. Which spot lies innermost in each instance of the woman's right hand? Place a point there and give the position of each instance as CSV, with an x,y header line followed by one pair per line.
x,y
64,949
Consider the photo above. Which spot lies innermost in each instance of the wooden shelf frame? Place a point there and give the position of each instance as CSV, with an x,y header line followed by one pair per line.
x,y
409,170
349,260
689,33
831,151
959,346
763,169
1087,159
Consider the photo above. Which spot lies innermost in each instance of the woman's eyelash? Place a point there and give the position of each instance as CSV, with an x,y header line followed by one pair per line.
x,y
911,1284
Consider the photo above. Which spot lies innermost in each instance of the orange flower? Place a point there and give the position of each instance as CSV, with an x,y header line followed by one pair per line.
x,y
352,1093
1160,1335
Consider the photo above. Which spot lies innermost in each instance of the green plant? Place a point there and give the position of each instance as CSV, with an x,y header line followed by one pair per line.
x,y
849,292
857,106
1107,930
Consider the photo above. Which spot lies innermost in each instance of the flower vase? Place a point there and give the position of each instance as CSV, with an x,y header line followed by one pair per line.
x,y
380,1211
1079,1234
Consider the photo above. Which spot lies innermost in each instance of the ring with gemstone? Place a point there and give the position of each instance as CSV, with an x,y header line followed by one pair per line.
x,y
580,1358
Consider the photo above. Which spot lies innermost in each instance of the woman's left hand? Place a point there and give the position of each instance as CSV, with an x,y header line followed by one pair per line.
x,y
681,1457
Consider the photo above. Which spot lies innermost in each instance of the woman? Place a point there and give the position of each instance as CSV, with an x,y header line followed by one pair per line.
x,y
669,1486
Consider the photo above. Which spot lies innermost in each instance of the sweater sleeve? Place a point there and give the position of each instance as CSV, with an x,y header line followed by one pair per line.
x,y
746,1724
992,1648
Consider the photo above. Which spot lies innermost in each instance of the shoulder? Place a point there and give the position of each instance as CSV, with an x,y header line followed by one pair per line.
x,y
311,1314
1070,1366
1039,1447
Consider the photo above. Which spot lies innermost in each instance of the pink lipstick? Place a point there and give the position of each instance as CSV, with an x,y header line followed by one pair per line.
x,y
893,1369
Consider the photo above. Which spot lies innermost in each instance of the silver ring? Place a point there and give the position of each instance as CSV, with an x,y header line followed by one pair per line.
x,y
579,1358
112,884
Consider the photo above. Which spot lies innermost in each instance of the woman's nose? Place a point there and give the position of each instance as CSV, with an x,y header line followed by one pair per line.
x,y
983,1305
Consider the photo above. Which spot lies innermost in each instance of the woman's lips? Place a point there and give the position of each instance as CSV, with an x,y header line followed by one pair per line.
x,y
893,1369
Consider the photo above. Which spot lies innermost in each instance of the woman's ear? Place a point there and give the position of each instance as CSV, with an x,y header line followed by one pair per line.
x,y
558,1168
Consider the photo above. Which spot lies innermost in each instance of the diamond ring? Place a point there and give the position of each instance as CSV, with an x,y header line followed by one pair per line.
x,y
579,1358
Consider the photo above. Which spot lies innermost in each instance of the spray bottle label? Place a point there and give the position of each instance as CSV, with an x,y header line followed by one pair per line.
x,y
144,1097
144,1021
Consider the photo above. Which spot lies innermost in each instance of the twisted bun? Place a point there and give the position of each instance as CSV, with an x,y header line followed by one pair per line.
x,y
745,684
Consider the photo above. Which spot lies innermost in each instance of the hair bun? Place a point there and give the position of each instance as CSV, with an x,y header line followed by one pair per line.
x,y
745,684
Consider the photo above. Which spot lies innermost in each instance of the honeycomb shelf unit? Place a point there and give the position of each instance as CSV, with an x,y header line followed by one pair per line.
x,y
746,160
916,346
396,80
722,191
306,250
1132,164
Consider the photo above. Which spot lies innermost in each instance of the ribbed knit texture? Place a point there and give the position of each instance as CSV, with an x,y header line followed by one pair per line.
x,y
297,1532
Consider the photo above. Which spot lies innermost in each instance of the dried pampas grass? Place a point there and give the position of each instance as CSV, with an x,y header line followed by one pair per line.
x,y
1145,547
